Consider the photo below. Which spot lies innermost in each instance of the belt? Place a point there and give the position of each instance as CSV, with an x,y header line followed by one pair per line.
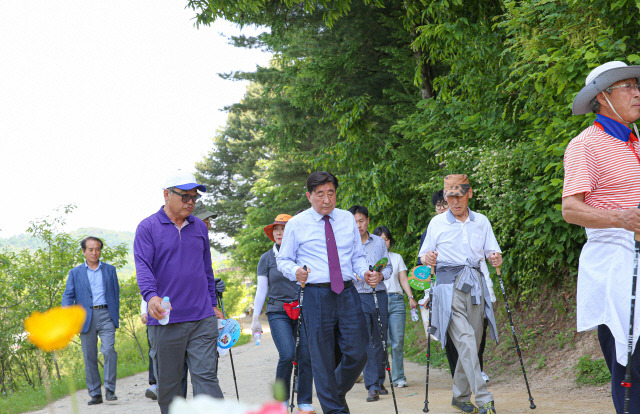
x,y
395,294
277,302
99,307
347,284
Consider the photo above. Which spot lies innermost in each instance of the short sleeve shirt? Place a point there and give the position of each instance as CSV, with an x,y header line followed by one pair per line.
x,y
280,287
393,284
604,168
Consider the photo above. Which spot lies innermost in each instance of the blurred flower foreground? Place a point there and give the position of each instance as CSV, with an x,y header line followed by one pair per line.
x,y
53,329
204,404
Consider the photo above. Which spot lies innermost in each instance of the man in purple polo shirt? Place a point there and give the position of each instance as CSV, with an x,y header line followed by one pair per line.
x,y
172,256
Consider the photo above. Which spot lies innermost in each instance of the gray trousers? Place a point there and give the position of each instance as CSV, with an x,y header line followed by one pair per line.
x,y
465,330
198,340
101,325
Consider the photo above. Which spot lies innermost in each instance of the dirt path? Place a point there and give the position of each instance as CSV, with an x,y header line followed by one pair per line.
x,y
255,371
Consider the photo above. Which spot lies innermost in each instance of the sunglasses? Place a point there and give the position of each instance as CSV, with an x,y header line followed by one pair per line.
x,y
186,197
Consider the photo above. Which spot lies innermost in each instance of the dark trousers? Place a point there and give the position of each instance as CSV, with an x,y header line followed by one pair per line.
x,y
375,368
284,331
198,340
452,352
152,376
608,346
331,319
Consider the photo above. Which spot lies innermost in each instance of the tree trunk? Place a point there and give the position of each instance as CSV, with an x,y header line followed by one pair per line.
x,y
426,77
139,347
3,390
25,372
55,363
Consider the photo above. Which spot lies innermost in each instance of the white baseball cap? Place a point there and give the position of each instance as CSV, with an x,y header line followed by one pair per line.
x,y
183,180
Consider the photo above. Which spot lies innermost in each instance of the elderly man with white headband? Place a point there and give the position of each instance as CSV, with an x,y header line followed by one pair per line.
x,y
601,193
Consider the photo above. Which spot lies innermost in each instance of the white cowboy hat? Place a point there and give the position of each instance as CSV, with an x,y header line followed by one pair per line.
x,y
600,79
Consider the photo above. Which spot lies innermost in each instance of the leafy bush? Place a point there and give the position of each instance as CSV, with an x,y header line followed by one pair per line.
x,y
592,371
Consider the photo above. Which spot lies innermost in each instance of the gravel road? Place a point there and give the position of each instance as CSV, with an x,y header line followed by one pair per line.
x,y
255,372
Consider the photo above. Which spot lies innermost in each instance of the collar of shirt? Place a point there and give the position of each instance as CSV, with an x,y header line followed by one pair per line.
x,y
452,219
93,270
317,216
368,239
614,128
164,219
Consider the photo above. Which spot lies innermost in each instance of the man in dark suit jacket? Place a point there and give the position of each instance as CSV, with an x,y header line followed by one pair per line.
x,y
94,285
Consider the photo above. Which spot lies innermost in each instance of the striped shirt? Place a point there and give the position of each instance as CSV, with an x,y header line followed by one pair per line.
x,y
375,249
602,163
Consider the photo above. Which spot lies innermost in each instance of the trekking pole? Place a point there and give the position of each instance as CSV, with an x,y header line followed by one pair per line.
x,y
384,345
294,385
515,338
426,393
627,376
233,369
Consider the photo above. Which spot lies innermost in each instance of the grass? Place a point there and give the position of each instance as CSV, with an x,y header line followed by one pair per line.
x,y
244,338
72,366
545,331
415,346
592,371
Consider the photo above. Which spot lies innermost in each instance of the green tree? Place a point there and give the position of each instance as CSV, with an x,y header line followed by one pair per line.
x,y
130,301
34,280
393,95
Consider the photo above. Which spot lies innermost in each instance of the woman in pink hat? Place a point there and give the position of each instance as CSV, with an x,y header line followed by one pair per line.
x,y
283,318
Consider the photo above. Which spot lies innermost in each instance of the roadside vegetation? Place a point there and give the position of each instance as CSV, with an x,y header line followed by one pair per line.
x,y
33,279
545,327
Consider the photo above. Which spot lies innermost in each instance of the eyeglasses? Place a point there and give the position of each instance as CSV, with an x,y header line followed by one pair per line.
x,y
627,86
442,206
186,197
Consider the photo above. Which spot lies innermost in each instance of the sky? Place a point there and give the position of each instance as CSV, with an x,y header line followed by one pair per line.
x,y
101,100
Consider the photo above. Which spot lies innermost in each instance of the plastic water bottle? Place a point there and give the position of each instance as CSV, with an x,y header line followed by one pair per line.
x,y
257,337
166,305
414,315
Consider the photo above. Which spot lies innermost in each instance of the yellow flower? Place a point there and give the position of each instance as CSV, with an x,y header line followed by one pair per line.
x,y
54,329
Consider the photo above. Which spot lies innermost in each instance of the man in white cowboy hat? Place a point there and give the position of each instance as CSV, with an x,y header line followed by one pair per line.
x,y
601,193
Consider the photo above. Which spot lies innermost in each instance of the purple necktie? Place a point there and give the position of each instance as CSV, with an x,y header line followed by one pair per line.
x,y
335,273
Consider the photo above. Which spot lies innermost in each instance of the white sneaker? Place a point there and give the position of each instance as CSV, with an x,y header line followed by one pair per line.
x,y
306,408
401,384
152,392
485,377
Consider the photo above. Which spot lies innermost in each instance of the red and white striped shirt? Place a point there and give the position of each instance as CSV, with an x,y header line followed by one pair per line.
x,y
604,168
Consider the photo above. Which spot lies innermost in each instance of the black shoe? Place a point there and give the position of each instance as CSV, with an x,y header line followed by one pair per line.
x,y
464,406
96,399
383,390
373,395
488,408
343,401
110,396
